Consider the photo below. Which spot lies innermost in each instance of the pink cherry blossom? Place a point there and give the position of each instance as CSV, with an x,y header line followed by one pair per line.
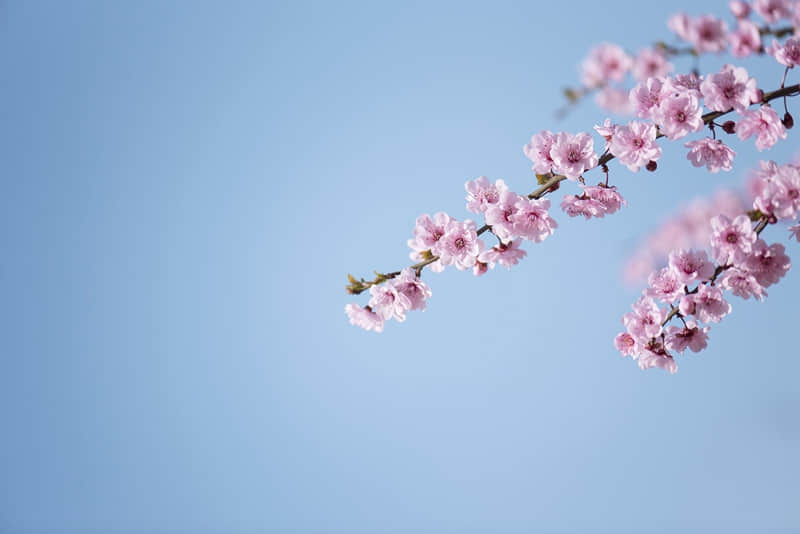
x,y
777,190
708,34
764,123
745,40
648,95
794,231
575,206
767,264
730,88
654,355
644,322
607,130
707,304
410,285
691,265
650,62
596,201
531,220
605,62
739,9
387,302
680,23
742,284
427,233
538,151
773,10
573,154
679,115
626,344
731,240
459,245
787,54
685,83
712,153
480,268
502,254
481,193
364,317
635,144
665,285
498,215
690,336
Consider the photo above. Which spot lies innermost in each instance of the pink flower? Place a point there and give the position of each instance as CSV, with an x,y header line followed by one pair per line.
x,y
480,268
745,40
635,144
387,302
712,153
645,321
665,285
409,284
767,264
730,88
648,95
538,151
607,196
650,62
427,233
626,344
654,355
607,130
739,9
777,190
691,265
363,317
680,23
689,336
685,83
764,124
707,304
731,241
773,10
505,255
708,34
742,284
575,206
498,215
679,115
573,154
789,53
794,231
596,201
481,193
605,62
459,245
531,220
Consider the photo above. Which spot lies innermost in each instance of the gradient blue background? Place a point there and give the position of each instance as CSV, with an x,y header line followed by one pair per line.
x,y
184,188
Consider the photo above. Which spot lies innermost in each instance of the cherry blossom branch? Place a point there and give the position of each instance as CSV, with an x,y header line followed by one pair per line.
x,y
550,183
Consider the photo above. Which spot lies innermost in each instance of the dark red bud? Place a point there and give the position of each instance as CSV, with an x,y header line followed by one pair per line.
x,y
788,121
651,166
729,127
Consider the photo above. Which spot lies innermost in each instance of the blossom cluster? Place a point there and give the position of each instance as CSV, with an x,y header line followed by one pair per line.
x,y
692,287
607,65
740,262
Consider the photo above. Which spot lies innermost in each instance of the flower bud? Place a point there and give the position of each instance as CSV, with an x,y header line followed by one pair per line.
x,y
729,127
788,121
651,166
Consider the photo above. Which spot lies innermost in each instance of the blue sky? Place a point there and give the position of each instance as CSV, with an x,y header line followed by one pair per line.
x,y
185,187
